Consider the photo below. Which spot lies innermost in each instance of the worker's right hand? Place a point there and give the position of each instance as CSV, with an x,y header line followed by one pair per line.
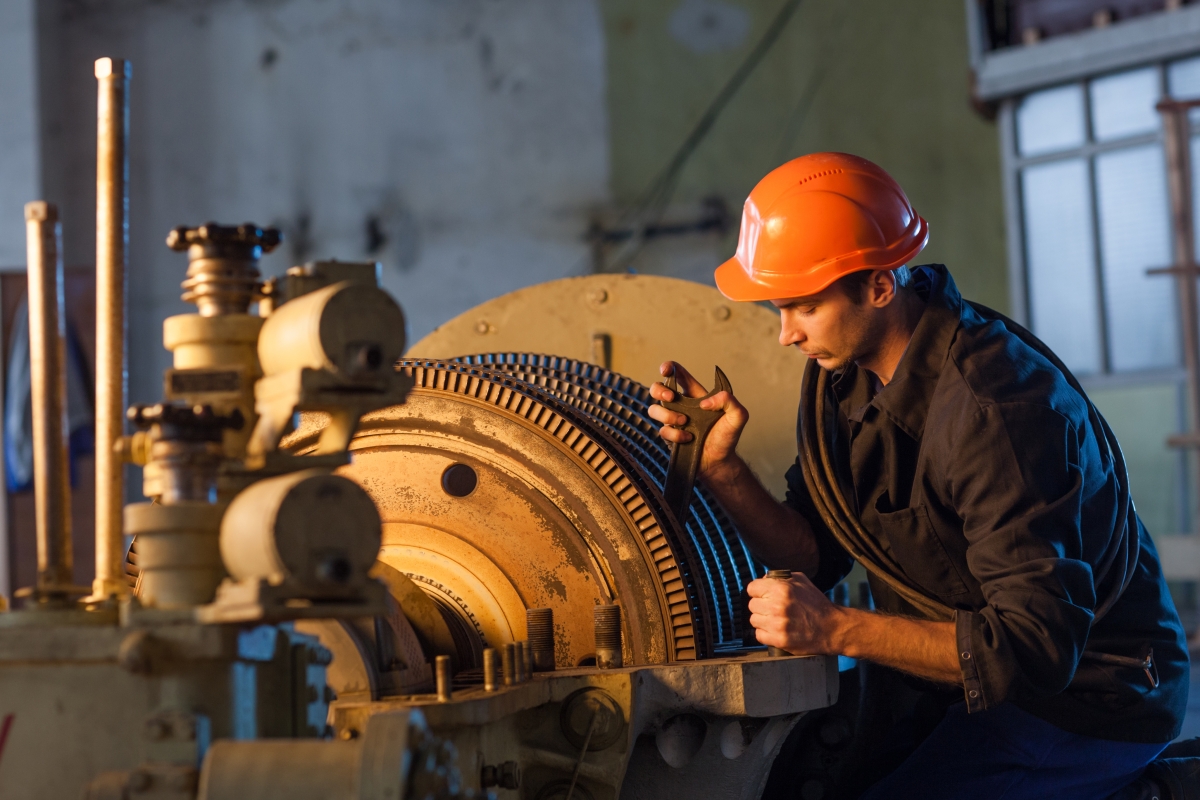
x,y
720,448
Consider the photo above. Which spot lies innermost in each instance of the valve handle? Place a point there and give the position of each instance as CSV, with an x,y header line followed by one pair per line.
x,y
209,235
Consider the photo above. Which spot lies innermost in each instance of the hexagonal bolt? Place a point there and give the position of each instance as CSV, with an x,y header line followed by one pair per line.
x,y
539,624
445,689
505,776
490,669
526,659
139,781
156,729
509,664
607,619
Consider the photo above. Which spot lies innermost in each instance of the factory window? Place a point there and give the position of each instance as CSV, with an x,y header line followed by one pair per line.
x,y
1089,215
1094,212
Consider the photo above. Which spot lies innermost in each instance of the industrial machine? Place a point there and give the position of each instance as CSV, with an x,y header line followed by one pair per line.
x,y
358,575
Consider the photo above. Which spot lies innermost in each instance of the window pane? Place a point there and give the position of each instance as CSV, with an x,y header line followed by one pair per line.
x,y
1195,196
1061,262
1123,105
1050,120
1135,236
1183,82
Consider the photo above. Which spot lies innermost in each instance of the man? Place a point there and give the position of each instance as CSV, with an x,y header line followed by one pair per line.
x,y
975,481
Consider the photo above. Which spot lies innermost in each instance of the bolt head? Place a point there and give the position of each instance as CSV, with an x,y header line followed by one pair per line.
x,y
156,730
184,781
139,781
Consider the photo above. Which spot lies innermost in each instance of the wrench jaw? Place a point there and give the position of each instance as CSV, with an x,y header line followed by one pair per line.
x,y
685,457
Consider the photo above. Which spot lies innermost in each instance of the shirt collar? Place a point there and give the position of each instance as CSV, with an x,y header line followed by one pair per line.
x,y
906,398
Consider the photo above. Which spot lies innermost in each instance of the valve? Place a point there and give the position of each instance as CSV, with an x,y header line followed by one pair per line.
x,y
223,276
180,446
180,422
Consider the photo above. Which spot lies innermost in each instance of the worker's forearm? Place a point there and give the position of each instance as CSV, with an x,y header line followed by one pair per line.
x,y
774,533
926,649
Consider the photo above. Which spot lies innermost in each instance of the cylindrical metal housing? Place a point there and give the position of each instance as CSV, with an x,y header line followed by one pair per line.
x,y
607,619
510,664
350,329
445,688
525,660
215,362
281,769
778,575
48,379
490,668
178,552
311,527
539,625
112,238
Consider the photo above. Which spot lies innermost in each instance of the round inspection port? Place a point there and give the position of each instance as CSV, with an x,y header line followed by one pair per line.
x,y
459,480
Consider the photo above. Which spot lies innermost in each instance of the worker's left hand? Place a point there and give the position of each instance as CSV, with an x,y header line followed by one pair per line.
x,y
794,615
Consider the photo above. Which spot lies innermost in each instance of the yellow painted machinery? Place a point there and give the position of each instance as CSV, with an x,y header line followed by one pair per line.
x,y
360,574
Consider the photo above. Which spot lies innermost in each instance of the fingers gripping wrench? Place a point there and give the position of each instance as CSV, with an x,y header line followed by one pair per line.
x,y
685,456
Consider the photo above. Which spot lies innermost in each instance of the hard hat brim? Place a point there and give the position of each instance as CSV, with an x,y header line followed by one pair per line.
x,y
734,281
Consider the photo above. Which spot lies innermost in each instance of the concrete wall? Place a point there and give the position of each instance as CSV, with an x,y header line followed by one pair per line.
x,y
20,181
476,137
880,79
471,134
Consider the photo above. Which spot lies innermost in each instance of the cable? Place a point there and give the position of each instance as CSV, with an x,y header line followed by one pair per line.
x,y
820,477
649,208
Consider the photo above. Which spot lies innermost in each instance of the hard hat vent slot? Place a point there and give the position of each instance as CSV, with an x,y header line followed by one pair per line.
x,y
816,175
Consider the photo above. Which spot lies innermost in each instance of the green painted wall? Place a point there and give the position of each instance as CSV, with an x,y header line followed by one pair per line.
x,y
1143,417
884,80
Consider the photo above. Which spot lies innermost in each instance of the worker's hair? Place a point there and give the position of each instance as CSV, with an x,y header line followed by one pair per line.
x,y
855,284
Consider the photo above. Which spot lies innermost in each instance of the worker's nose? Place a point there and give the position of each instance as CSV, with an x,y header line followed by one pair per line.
x,y
790,334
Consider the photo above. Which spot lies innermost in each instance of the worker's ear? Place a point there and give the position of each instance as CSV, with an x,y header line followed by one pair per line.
x,y
881,288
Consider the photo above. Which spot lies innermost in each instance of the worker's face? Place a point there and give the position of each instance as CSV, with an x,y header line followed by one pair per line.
x,y
832,327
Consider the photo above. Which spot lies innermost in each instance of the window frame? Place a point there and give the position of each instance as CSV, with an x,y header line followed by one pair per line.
x,y
1012,164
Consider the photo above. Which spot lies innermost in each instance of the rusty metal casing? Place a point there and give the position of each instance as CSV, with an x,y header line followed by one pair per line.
x,y
112,238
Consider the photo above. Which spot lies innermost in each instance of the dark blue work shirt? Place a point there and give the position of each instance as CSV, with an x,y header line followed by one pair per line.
x,y
978,470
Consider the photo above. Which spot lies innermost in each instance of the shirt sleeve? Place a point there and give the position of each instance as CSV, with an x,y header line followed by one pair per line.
x,y
1018,481
833,562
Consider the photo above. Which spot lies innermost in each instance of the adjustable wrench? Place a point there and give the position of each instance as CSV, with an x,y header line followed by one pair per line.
x,y
685,457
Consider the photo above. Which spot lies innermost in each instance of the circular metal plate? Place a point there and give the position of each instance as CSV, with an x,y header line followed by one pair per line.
x,y
561,516
631,324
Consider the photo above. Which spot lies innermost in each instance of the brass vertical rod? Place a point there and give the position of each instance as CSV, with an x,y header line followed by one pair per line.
x,y
48,378
112,238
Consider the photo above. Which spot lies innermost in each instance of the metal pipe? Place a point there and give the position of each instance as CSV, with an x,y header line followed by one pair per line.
x,y
112,238
48,378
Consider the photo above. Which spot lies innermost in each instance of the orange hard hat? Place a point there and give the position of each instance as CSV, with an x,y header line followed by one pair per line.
x,y
815,219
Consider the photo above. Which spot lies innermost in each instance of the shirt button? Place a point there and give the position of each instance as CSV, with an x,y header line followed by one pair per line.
x,y
973,694
966,656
